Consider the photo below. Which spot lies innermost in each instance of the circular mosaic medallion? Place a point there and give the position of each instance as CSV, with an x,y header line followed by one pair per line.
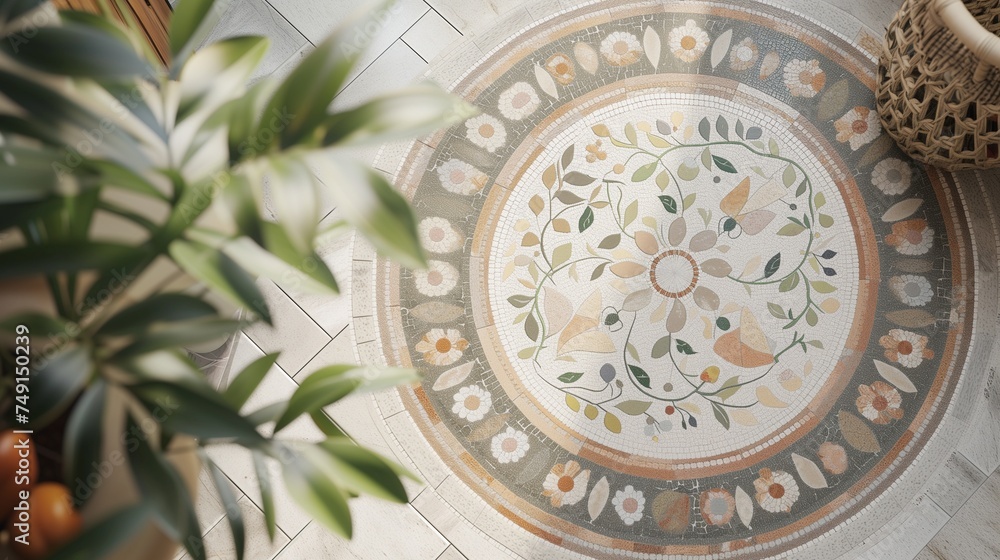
x,y
683,296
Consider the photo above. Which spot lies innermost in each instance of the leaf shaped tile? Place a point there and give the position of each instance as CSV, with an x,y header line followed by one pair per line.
x,y
677,231
744,507
453,377
546,82
651,44
646,242
911,318
558,309
902,210
598,498
767,398
677,317
894,375
627,269
637,300
716,267
831,103
743,417
534,467
721,47
437,312
488,428
809,472
770,63
587,57
857,433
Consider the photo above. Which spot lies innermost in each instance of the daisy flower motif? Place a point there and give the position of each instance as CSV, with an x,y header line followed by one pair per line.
x,y
804,78
437,235
561,68
891,176
911,237
879,402
565,484
629,503
509,446
442,346
621,49
487,132
858,127
518,101
717,506
461,178
688,42
744,55
437,280
776,490
834,457
911,289
472,403
906,348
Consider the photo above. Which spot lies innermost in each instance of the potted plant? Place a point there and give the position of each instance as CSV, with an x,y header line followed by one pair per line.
x,y
115,170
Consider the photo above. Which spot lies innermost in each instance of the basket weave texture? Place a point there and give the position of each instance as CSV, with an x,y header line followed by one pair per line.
x,y
928,96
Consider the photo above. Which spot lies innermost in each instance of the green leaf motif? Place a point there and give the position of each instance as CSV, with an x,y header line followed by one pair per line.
x,y
685,348
822,287
789,283
722,127
562,254
705,128
578,179
721,415
689,200
662,180
722,323
519,301
640,375
729,388
811,317
610,242
788,176
706,158
776,311
772,265
531,327
586,219
633,408
567,156
570,376
825,220
791,230
669,204
661,347
644,172
724,164
802,188
598,271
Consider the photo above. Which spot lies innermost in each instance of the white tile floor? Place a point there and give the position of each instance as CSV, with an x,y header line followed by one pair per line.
x,y
315,331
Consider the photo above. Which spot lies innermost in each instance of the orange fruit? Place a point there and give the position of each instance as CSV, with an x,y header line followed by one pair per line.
x,y
12,482
53,522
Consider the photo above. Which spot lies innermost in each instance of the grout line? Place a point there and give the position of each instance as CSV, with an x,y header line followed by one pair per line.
x,y
297,30
413,49
446,20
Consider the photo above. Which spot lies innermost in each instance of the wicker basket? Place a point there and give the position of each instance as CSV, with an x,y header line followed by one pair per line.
x,y
939,83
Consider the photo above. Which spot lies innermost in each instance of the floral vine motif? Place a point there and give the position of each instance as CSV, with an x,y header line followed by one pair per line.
x,y
678,274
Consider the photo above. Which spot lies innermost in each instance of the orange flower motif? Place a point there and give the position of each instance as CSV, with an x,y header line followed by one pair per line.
x,y
911,237
833,457
566,484
879,402
442,347
776,490
906,348
561,68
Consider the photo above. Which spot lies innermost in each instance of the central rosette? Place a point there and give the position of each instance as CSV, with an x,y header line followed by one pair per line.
x,y
674,273
669,279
